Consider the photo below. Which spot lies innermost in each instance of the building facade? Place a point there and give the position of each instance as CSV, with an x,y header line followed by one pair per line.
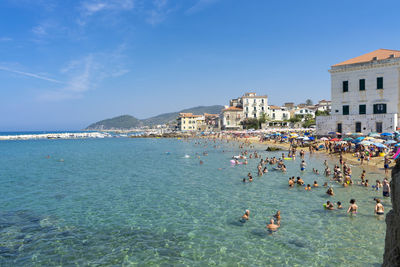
x,y
365,94
254,106
190,122
232,118
277,113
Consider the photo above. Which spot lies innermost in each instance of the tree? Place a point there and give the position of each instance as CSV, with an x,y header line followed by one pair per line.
x,y
250,123
263,118
309,102
295,119
322,113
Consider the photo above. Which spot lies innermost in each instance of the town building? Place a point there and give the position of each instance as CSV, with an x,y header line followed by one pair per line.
x,y
276,113
254,106
324,105
365,94
190,122
232,118
304,111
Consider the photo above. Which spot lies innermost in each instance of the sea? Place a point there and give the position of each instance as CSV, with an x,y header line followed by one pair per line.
x,y
149,202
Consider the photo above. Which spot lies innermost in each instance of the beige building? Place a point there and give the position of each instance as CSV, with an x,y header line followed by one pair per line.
x,y
232,118
190,122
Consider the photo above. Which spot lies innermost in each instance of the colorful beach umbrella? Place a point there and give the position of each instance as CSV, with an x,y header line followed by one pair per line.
x,y
374,134
324,139
366,143
360,138
332,133
379,145
390,142
386,134
335,139
347,139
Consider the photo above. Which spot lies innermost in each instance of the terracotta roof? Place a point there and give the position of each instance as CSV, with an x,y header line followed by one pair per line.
x,y
211,115
233,109
274,107
188,115
379,54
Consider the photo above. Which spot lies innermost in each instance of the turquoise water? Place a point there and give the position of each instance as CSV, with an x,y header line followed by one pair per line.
x,y
127,202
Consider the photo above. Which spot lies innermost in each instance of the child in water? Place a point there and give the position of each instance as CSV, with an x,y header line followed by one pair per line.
x,y
339,205
308,187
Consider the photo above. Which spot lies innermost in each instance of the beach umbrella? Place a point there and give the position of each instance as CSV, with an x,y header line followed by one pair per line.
x,y
357,134
360,138
390,142
366,143
398,144
377,140
356,141
342,142
379,145
284,137
306,139
386,134
335,139
349,133
368,138
324,139
332,133
306,133
374,134
311,138
347,139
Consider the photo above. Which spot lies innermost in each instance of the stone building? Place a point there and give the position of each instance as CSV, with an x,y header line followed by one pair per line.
x,y
365,94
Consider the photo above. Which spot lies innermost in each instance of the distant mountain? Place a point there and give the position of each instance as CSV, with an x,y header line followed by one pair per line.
x,y
130,122
120,122
169,117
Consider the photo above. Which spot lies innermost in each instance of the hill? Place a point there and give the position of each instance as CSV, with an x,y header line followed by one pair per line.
x,y
129,122
169,117
120,122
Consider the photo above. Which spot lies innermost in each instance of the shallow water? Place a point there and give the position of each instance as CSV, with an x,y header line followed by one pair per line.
x,y
142,202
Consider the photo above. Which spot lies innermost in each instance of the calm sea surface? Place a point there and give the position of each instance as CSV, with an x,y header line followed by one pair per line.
x,y
141,202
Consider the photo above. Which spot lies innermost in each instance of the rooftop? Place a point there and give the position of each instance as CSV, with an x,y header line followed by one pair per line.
x,y
380,54
233,109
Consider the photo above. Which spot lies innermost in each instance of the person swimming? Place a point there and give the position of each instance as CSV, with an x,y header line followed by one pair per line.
x,y
272,226
303,165
330,191
339,205
277,216
315,184
308,187
246,215
353,207
329,205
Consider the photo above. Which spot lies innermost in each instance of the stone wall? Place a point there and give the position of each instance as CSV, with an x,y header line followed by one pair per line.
x,y
392,241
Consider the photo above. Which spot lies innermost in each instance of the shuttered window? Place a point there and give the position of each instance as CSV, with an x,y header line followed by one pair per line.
x,y
345,86
362,109
379,83
379,108
345,110
362,84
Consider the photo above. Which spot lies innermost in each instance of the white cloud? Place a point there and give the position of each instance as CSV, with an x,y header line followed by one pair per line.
x,y
5,39
29,74
87,74
159,12
90,7
199,6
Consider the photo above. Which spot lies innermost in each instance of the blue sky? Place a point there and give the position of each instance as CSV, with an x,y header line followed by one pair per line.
x,y
66,64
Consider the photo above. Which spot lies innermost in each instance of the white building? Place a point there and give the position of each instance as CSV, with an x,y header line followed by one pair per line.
x,y
365,94
253,105
250,105
302,112
277,113
324,105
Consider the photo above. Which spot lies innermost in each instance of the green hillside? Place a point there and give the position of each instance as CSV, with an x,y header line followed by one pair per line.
x,y
120,122
129,122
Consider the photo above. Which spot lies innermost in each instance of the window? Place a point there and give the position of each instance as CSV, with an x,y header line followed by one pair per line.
x,y
379,108
362,84
273,115
262,108
247,108
362,109
346,110
358,127
255,115
379,127
255,108
379,83
262,100
339,128
345,86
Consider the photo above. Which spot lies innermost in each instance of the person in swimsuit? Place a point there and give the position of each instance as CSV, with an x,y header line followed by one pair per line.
x,y
385,189
308,187
272,226
386,165
278,217
330,191
339,205
246,215
302,165
329,206
353,207
379,210
315,184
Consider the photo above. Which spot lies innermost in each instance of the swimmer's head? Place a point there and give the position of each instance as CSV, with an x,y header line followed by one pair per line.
x,y
247,212
339,203
352,201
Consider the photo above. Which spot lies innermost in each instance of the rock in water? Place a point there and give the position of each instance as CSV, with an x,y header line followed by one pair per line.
x,y
392,241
